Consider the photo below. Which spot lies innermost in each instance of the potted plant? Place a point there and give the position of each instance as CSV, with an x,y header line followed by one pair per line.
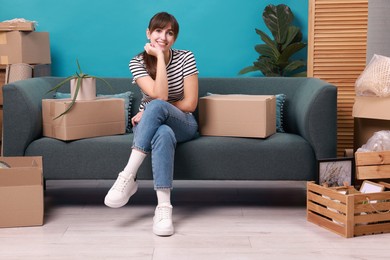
x,y
275,58
82,87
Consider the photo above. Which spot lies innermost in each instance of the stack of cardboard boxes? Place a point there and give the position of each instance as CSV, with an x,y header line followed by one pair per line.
x,y
24,53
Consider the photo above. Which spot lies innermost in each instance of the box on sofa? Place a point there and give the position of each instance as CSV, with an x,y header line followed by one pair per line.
x,y
91,118
21,192
237,115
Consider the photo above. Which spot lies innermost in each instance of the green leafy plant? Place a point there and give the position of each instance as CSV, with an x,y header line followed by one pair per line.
x,y
79,76
275,58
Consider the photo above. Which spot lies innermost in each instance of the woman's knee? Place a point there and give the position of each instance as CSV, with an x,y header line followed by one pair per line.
x,y
165,134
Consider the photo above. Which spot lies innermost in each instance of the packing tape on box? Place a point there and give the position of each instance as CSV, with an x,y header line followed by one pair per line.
x,y
4,60
3,38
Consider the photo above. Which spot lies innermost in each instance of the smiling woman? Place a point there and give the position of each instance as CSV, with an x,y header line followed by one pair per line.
x,y
168,79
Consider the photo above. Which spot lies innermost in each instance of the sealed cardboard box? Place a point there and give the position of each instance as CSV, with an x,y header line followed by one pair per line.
x,y
24,47
100,117
21,192
371,114
17,26
237,115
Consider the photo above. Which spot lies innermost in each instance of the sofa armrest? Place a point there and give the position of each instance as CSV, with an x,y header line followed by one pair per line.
x,y
314,112
22,113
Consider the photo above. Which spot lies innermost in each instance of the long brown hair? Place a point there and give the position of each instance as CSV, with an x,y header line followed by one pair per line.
x,y
159,20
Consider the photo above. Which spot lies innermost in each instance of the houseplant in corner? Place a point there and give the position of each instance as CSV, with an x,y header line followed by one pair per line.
x,y
82,87
275,58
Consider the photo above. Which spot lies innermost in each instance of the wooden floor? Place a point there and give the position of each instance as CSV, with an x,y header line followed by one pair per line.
x,y
213,220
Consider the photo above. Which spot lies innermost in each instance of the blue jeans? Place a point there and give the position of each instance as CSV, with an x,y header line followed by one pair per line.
x,y
162,126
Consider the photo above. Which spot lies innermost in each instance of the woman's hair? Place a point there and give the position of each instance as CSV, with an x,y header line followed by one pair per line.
x,y
159,20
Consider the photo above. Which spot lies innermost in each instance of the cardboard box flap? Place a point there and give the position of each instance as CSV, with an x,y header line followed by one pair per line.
x,y
23,161
23,171
371,107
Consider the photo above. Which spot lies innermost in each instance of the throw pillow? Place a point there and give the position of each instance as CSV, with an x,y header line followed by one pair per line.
x,y
280,100
127,96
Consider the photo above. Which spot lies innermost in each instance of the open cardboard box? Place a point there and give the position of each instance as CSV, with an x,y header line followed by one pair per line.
x,y
371,114
21,192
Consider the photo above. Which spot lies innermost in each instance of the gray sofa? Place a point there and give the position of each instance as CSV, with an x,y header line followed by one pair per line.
x,y
309,122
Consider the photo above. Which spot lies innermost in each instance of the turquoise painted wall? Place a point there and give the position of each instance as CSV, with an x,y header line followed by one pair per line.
x,y
105,35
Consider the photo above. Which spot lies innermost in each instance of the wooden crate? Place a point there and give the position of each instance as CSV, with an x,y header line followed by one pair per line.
x,y
348,215
372,165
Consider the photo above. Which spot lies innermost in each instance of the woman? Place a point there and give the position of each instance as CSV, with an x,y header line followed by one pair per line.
x,y
168,79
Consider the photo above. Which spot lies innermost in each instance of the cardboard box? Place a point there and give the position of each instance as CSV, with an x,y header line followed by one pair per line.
x,y
17,26
100,117
371,115
38,70
21,192
24,47
348,215
237,115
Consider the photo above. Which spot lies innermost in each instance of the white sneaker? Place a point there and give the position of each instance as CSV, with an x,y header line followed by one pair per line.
x,y
121,191
162,221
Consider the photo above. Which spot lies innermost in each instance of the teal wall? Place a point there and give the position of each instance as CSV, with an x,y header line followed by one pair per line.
x,y
105,35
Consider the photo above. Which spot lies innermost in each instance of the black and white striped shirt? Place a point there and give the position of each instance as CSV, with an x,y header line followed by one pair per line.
x,y
181,65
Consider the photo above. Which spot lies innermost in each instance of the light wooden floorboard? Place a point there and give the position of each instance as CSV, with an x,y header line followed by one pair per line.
x,y
213,220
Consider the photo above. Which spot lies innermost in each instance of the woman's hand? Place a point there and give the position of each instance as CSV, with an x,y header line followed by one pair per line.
x,y
152,50
135,119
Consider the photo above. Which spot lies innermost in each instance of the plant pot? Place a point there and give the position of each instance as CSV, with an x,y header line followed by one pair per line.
x,y
87,89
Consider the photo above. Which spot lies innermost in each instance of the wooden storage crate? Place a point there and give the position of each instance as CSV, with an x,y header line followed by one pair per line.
x,y
348,215
372,165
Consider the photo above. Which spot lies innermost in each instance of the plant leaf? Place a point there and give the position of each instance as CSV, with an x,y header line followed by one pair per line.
x,y
56,87
248,69
267,67
277,19
78,66
290,50
269,42
292,34
78,86
294,65
265,50
300,74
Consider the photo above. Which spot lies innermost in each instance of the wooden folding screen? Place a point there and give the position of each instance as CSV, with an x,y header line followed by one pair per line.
x,y
337,43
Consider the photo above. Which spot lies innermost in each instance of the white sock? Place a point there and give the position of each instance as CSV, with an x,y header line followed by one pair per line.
x,y
164,197
135,161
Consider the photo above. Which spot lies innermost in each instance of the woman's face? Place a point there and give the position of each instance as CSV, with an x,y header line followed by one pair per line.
x,y
162,38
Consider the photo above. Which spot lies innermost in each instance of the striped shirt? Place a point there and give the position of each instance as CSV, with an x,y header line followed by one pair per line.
x,y
181,65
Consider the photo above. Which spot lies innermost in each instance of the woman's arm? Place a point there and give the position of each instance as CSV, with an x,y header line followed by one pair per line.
x,y
190,100
158,88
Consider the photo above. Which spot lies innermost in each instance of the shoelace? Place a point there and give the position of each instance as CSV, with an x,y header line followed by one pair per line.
x,y
120,184
163,212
